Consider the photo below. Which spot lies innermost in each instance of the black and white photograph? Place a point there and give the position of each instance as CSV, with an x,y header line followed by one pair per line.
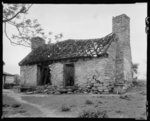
x,y
74,60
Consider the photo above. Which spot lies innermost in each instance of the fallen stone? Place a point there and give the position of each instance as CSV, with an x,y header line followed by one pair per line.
x,y
126,97
69,92
29,92
57,93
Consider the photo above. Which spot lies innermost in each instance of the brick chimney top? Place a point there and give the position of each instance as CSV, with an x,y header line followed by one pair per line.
x,y
120,23
122,16
36,42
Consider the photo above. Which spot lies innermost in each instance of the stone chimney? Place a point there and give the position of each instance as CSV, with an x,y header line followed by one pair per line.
x,y
121,27
36,42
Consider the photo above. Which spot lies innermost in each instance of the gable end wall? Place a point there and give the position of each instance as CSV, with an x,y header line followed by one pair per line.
x,y
110,68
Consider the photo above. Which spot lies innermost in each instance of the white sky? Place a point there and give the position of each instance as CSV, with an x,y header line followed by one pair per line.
x,y
84,21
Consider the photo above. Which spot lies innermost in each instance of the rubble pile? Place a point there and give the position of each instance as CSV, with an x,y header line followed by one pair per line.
x,y
91,87
49,89
96,88
88,88
45,89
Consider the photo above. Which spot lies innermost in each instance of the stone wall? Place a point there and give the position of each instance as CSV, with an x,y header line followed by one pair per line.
x,y
88,70
57,74
28,75
98,71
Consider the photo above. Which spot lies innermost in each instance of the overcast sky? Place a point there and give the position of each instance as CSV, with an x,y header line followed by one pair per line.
x,y
84,21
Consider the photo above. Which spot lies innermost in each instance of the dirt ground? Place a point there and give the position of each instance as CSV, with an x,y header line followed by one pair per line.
x,y
129,105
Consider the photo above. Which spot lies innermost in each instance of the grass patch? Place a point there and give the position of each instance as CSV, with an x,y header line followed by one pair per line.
x,y
88,102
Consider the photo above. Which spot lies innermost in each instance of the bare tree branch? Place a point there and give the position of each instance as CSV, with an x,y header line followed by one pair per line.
x,y
5,31
26,28
28,8
22,36
6,20
12,23
19,32
22,10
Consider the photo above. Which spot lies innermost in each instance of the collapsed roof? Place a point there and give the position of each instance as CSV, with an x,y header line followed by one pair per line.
x,y
67,49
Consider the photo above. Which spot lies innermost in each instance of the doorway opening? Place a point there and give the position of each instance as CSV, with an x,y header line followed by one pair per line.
x,y
44,76
69,75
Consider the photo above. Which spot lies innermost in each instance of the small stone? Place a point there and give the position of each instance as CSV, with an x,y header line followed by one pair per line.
x,y
106,92
57,93
100,88
88,86
70,90
29,92
96,84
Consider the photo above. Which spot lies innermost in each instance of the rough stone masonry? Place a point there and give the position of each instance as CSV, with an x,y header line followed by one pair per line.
x,y
121,26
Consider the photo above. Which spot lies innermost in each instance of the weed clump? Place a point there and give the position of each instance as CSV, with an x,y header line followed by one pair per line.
x,y
89,102
65,108
16,105
93,114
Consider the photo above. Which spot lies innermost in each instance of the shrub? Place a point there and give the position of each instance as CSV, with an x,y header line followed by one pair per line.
x,y
135,83
100,102
93,114
126,97
65,108
17,79
27,88
5,105
143,92
16,105
89,102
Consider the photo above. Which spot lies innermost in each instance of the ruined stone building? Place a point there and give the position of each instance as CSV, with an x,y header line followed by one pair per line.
x,y
72,61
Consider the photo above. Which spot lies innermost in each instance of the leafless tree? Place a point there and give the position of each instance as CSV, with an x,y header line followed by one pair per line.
x,y
15,15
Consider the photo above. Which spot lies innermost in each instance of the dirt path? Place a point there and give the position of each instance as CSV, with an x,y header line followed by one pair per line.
x,y
46,112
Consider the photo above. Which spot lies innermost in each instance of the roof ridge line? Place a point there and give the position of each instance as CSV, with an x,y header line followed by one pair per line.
x,y
90,38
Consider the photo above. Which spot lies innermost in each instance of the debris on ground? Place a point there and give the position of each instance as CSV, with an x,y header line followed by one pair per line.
x,y
126,97
95,89
91,87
